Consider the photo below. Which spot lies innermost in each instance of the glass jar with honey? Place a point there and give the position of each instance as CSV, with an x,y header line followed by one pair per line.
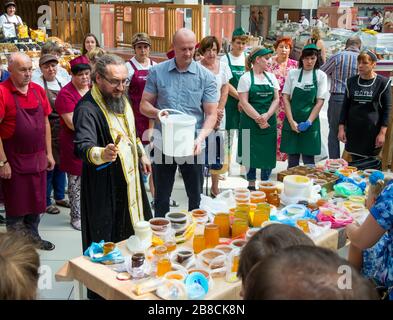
x,y
262,214
163,263
212,235
274,199
239,227
257,197
198,243
222,220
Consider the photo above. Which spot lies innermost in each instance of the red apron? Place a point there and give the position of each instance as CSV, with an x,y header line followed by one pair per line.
x,y
135,92
25,192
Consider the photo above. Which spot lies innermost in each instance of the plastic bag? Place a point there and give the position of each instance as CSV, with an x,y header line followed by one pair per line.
x,y
38,35
23,31
347,189
213,206
317,230
339,217
96,254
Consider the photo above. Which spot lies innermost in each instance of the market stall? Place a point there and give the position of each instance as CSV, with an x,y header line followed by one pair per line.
x,y
321,201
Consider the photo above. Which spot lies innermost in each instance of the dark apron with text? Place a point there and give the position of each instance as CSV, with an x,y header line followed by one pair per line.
x,y
363,125
25,192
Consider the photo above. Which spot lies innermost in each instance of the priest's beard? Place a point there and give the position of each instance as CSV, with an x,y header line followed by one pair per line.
x,y
116,105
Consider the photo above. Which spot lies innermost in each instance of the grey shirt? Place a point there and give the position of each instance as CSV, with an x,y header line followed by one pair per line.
x,y
183,91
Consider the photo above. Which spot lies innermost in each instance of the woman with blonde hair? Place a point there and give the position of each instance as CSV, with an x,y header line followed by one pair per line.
x,y
316,38
258,93
19,264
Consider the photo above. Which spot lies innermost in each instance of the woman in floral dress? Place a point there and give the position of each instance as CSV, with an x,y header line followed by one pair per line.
x,y
280,65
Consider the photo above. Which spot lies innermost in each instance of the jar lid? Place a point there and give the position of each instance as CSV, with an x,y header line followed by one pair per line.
x,y
142,225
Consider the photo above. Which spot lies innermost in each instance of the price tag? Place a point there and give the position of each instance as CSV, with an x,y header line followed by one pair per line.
x,y
5,50
34,49
30,41
21,50
15,41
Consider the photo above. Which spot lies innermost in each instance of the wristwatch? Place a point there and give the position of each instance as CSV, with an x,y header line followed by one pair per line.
x,y
2,163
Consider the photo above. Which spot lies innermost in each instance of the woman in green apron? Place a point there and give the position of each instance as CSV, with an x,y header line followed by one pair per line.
x,y
236,60
365,115
304,93
259,97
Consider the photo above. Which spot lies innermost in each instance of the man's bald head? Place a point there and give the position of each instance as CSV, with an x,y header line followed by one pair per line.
x,y
20,68
184,41
182,35
17,58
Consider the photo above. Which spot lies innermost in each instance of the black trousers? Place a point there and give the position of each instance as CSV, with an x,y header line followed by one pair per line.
x,y
164,178
26,225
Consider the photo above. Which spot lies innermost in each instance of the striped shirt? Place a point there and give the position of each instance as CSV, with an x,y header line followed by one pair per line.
x,y
340,67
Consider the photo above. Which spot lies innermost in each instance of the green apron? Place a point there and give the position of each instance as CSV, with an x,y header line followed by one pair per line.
x,y
232,114
302,104
263,142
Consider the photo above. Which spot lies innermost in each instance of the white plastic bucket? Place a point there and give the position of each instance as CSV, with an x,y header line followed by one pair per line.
x,y
178,133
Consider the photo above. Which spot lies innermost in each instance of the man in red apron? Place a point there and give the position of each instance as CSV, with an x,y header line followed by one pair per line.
x,y
25,149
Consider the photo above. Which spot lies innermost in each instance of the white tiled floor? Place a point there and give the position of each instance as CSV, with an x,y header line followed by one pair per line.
x,y
57,229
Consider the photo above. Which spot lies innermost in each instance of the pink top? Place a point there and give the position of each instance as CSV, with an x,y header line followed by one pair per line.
x,y
66,102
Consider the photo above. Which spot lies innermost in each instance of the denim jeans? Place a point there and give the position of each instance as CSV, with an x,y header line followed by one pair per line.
x,y
252,174
294,159
55,180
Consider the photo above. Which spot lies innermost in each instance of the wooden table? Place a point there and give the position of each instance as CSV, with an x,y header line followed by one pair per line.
x,y
102,279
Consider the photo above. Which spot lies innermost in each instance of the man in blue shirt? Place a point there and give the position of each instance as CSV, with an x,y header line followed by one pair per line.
x,y
184,85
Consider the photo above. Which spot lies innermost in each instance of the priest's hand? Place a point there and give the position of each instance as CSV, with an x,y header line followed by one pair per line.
x,y
110,153
5,171
146,164
51,162
380,140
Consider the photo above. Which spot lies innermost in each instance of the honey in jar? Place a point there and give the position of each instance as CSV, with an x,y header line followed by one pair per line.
x,y
164,265
239,227
212,235
222,220
274,199
198,243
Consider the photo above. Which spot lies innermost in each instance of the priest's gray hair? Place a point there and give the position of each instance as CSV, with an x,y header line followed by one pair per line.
x,y
103,62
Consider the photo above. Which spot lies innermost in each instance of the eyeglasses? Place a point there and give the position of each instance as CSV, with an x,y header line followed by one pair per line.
x,y
115,83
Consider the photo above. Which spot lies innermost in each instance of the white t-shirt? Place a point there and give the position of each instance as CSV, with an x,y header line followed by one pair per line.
x,y
235,61
11,19
52,85
245,82
222,77
293,75
138,67
61,73
11,32
305,22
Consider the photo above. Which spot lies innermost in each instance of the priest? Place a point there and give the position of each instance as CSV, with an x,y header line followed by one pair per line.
x,y
113,197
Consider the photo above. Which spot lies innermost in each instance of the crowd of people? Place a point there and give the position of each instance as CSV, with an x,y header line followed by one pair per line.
x,y
98,128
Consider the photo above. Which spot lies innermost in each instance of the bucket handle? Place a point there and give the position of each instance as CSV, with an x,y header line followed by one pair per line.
x,y
168,110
